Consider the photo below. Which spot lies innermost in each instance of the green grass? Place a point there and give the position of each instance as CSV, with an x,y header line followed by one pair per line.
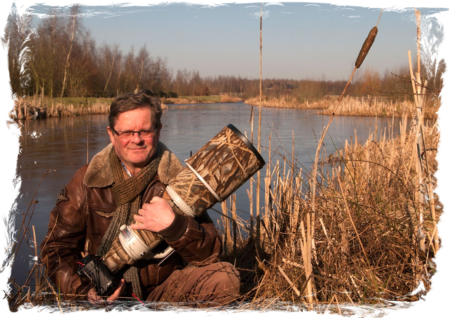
x,y
210,98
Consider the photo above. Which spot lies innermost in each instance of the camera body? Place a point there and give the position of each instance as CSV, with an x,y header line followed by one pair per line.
x,y
93,268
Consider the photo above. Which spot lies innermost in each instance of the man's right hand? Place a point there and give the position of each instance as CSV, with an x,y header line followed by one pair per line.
x,y
94,299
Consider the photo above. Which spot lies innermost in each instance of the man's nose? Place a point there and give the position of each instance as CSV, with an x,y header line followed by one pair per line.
x,y
136,138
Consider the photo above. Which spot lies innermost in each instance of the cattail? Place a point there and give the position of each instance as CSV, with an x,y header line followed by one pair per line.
x,y
366,46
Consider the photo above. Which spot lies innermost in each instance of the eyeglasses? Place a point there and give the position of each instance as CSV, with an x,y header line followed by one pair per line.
x,y
125,134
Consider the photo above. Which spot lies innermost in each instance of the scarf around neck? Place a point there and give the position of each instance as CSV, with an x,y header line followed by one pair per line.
x,y
127,194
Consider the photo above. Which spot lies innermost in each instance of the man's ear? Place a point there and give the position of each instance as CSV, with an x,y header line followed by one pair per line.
x,y
111,136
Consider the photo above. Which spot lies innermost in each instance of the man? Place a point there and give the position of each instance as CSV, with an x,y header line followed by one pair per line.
x,y
123,183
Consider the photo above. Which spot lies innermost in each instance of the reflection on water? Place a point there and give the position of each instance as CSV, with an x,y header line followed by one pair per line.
x,y
64,145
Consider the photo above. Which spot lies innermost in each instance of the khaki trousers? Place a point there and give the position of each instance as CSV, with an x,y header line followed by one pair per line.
x,y
204,286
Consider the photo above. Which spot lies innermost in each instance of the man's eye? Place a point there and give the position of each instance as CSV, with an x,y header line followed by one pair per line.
x,y
127,133
146,133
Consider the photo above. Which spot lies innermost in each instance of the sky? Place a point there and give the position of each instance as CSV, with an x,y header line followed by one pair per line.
x,y
300,40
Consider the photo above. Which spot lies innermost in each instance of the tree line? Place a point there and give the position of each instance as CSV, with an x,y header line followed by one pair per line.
x,y
59,58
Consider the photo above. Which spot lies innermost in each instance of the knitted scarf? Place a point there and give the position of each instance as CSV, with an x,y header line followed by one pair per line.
x,y
128,196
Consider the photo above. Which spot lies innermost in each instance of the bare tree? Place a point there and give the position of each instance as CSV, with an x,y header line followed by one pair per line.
x,y
110,57
74,14
143,59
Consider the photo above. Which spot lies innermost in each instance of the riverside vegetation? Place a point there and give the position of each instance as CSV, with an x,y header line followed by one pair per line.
x,y
29,107
34,108
353,106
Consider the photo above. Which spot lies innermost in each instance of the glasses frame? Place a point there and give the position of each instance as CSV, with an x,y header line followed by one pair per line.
x,y
119,133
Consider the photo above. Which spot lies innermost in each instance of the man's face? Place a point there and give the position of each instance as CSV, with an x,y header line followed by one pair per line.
x,y
134,151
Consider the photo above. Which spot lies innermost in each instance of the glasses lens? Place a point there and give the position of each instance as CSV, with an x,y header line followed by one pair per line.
x,y
146,133
126,134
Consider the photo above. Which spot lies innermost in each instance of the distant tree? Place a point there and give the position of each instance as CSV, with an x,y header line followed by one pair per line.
x,y
205,91
74,15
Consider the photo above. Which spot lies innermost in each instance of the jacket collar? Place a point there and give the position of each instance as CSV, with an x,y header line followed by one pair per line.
x,y
99,173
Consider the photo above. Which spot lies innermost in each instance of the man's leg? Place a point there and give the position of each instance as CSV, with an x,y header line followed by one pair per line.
x,y
211,285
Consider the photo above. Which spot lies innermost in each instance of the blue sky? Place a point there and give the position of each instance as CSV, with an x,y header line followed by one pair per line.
x,y
300,40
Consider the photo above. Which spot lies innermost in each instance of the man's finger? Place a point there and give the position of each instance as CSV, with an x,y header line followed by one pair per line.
x,y
142,212
93,297
117,292
155,199
138,218
139,226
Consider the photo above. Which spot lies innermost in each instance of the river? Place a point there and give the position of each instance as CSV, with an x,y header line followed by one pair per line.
x,y
64,145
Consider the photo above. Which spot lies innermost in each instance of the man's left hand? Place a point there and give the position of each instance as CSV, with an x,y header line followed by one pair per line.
x,y
154,216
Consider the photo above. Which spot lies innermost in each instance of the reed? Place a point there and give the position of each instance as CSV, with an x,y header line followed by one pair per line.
x,y
201,99
229,99
372,106
31,108
367,212
285,102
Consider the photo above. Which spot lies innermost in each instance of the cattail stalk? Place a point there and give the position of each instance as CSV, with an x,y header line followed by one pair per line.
x,y
258,138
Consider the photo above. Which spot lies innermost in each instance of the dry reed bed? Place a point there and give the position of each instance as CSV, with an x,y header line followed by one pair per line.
x,y
352,106
223,99
371,106
366,248
30,108
284,102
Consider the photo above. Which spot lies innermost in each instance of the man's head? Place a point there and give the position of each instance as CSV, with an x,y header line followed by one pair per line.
x,y
129,101
135,112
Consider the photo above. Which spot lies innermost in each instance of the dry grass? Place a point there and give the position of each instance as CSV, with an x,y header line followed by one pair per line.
x,y
229,99
352,106
201,99
286,102
371,106
367,248
30,108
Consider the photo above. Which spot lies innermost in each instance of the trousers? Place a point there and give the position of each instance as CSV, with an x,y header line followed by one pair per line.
x,y
202,286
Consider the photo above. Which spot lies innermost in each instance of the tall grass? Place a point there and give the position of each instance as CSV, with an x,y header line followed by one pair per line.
x,y
353,106
201,99
33,108
287,102
371,106
367,212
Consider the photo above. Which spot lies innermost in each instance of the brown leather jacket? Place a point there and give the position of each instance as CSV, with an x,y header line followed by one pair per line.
x,y
84,210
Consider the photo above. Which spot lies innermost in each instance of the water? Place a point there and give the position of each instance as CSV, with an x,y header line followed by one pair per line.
x,y
61,146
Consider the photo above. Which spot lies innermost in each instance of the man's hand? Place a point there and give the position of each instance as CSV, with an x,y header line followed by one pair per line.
x,y
94,299
154,216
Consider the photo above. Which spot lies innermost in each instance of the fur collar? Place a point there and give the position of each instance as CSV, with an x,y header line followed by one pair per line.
x,y
99,173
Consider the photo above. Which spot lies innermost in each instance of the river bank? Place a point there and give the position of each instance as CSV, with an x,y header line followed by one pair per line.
x,y
352,106
39,108
201,99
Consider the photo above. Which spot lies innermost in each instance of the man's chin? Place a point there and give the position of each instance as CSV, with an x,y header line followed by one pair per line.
x,y
140,161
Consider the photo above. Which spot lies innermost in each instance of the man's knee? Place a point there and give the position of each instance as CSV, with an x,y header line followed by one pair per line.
x,y
225,278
